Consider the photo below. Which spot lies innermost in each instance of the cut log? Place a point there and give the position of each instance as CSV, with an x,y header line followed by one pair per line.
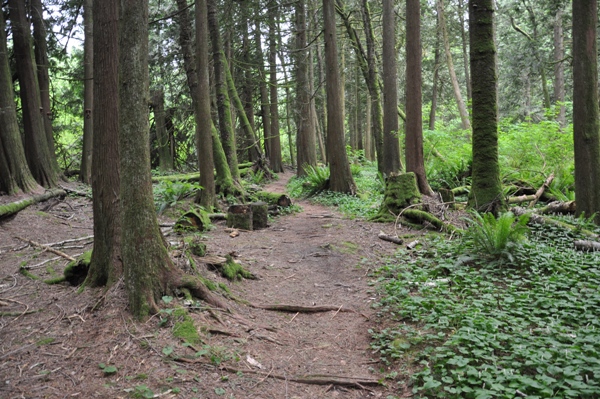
x,y
386,237
260,215
8,210
588,246
240,217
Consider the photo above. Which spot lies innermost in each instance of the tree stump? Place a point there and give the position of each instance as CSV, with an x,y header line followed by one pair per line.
x,y
401,191
260,215
240,217
447,197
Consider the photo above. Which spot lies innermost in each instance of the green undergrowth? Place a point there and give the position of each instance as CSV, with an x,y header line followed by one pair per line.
x,y
364,204
475,326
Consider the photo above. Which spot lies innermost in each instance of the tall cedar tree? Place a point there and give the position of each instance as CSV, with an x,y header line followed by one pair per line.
x,y
205,197
391,145
14,172
85,172
486,189
305,137
106,267
414,113
585,108
37,150
340,178
149,272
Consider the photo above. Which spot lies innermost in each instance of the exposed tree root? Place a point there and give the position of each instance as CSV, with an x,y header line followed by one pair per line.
x,y
198,290
306,309
422,216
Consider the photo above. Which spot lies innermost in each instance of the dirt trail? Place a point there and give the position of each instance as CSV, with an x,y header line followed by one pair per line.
x,y
312,258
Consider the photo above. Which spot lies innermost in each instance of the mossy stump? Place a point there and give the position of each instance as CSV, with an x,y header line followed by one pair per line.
x,y
260,215
196,220
447,197
76,271
401,191
240,217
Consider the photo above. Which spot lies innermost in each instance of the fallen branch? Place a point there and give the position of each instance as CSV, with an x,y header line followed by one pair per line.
x,y
542,219
61,243
306,309
316,379
13,208
389,238
47,248
541,190
76,192
564,208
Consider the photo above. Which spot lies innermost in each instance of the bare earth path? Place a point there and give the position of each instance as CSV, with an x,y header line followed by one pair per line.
x,y
312,258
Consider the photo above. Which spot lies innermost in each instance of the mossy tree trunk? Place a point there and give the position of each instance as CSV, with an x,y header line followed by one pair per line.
x,y
14,171
486,189
585,108
401,191
106,267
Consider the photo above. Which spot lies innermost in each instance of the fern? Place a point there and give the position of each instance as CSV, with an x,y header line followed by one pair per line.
x,y
496,237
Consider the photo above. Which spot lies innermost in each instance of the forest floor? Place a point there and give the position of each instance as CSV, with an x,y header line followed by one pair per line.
x,y
58,343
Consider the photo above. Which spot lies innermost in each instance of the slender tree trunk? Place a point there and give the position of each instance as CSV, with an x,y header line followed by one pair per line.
x,y
391,145
274,136
464,41
559,69
340,178
247,92
165,161
414,113
462,109
41,58
106,267
14,171
320,118
288,100
486,189
38,154
204,126
265,109
305,139
223,105
85,171
369,145
586,127
436,82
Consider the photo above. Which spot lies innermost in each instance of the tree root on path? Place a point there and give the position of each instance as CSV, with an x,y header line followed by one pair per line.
x,y
307,309
316,379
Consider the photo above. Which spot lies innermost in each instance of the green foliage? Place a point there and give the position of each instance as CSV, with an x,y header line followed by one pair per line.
x,y
168,193
107,370
496,237
475,330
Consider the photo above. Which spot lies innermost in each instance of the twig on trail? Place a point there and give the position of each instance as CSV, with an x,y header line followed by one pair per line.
x,y
306,309
19,314
26,267
297,313
289,277
389,238
47,248
314,379
338,311
61,243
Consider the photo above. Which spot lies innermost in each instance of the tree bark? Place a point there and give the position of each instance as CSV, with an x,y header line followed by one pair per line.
x,y
106,267
585,108
415,161
559,69
462,109
436,81
305,138
85,171
391,146
14,171
465,53
275,160
340,178
486,189
37,151
165,160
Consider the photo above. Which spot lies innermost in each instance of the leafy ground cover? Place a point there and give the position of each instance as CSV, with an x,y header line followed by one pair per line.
x,y
479,325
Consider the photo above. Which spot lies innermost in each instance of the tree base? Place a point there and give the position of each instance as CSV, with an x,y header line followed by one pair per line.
x,y
401,191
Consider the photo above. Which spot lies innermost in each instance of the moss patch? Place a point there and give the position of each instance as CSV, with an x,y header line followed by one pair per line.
x,y
184,327
76,271
401,191
195,244
233,271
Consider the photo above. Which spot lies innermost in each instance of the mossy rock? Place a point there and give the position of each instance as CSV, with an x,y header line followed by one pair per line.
x,y
76,271
401,191
194,220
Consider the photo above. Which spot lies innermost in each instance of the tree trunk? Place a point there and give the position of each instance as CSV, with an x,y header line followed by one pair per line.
x,y
14,171
223,105
586,127
414,113
369,145
247,92
85,171
165,161
41,58
559,70
465,53
197,70
436,81
462,109
37,151
340,178
265,109
486,189
305,139
319,118
274,136
391,146
106,267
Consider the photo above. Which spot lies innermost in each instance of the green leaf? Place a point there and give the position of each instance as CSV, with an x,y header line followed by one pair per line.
x,y
220,391
109,370
167,350
167,299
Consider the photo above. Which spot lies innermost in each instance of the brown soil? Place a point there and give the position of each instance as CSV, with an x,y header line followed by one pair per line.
x,y
52,338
